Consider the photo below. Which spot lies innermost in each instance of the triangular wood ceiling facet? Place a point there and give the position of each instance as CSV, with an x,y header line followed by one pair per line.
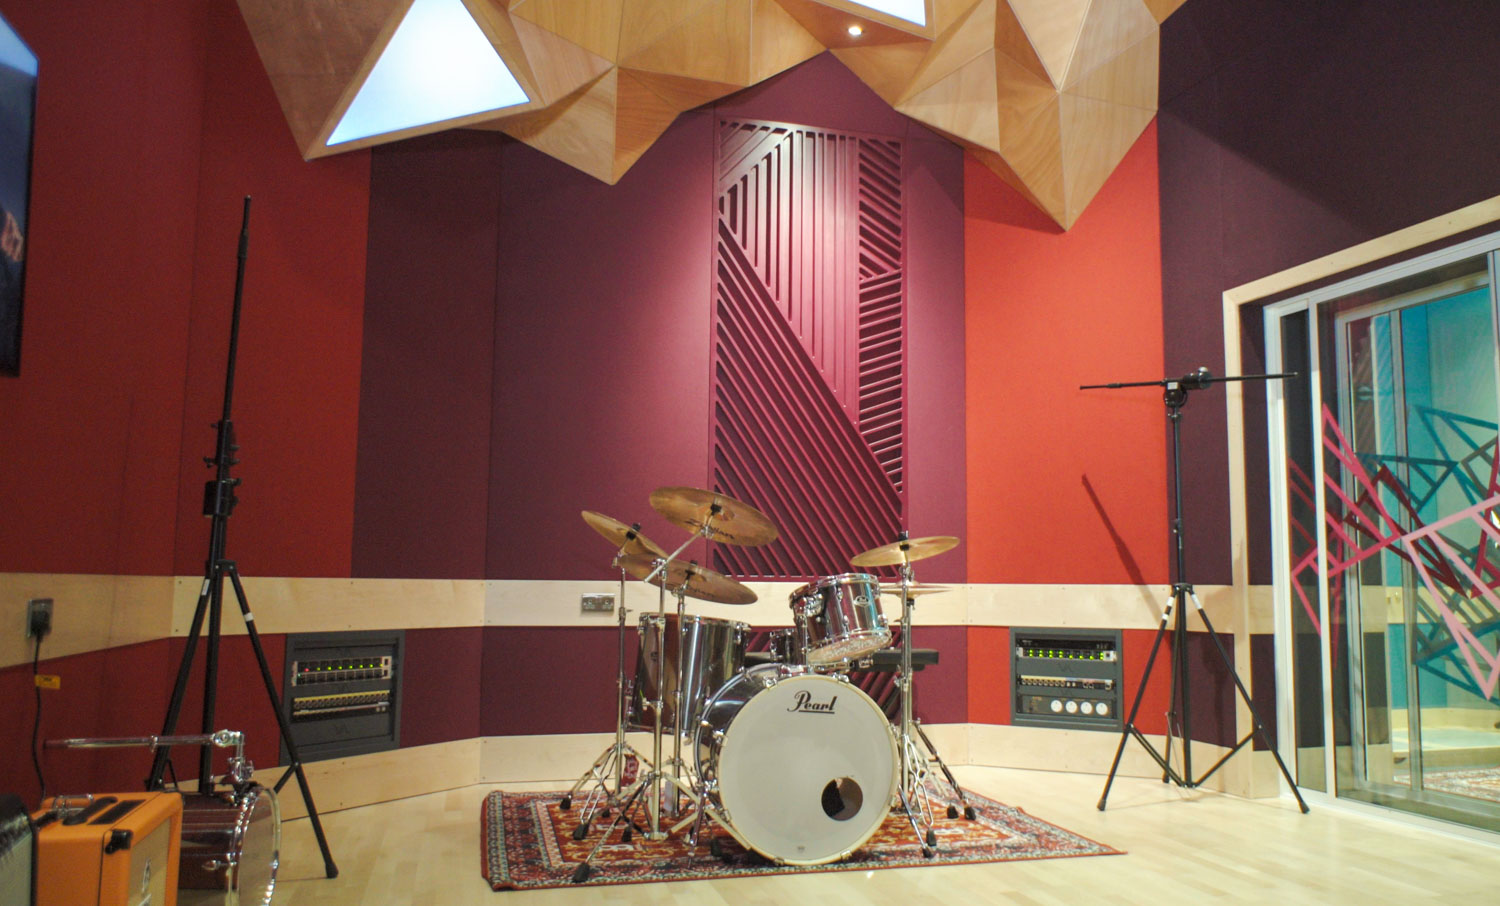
x,y
1050,94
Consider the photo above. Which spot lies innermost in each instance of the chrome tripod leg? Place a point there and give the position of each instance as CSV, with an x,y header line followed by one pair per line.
x,y
586,868
933,757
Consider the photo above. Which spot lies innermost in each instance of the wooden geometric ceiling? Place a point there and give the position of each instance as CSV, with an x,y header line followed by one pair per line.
x,y
1049,94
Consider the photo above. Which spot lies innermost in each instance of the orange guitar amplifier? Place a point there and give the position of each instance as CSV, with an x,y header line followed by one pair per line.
x,y
119,849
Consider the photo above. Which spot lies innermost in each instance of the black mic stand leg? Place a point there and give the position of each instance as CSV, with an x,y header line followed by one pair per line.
x,y
1129,730
1259,727
329,868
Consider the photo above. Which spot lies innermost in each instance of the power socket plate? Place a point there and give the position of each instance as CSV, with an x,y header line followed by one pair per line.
x,y
38,617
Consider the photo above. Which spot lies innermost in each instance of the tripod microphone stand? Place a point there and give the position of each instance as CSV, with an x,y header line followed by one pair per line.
x,y
1179,713
218,503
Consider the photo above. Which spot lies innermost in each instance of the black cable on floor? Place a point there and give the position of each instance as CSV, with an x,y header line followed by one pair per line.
x,y
36,726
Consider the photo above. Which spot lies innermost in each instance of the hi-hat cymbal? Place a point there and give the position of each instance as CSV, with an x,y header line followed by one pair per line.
x,y
715,516
695,581
907,551
915,590
621,535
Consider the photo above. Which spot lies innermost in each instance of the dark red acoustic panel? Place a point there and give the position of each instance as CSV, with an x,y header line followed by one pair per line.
x,y
809,345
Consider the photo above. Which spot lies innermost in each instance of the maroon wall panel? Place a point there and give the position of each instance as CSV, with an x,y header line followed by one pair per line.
x,y
550,680
601,351
823,94
942,695
424,422
602,334
809,342
441,691
1286,134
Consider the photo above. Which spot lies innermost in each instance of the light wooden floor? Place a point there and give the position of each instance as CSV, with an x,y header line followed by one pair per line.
x,y
1183,847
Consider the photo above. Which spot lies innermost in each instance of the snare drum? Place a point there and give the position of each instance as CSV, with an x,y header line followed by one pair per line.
x,y
715,651
231,845
801,766
840,618
787,646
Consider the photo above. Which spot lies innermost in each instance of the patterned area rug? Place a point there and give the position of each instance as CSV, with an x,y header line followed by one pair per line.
x,y
1477,783
528,844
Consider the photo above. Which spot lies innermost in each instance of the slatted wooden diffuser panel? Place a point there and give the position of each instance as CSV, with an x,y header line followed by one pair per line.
x,y
809,358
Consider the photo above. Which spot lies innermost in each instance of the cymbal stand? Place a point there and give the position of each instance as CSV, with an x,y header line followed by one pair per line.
x,y
916,764
611,763
657,775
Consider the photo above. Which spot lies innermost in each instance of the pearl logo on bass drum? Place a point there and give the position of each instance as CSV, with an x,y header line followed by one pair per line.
x,y
804,704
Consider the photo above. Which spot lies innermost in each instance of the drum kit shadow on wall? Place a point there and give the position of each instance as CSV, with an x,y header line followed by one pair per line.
x,y
788,757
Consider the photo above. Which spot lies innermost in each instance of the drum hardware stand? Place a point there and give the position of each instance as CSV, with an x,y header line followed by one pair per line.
x,y
614,758
240,768
657,775
218,502
1175,397
915,764
653,779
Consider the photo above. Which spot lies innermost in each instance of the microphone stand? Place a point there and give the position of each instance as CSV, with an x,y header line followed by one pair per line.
x,y
1176,397
218,503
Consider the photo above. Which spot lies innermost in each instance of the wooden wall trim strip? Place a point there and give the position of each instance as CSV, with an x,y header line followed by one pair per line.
x,y
94,612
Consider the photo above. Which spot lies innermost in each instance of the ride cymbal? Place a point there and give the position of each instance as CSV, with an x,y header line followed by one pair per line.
x,y
714,516
915,590
695,581
621,535
908,551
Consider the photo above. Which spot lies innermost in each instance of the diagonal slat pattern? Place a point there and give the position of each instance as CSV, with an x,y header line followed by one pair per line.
x,y
809,348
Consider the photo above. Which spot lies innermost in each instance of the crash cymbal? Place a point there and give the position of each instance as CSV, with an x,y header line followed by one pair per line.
x,y
727,519
695,581
620,535
908,551
915,590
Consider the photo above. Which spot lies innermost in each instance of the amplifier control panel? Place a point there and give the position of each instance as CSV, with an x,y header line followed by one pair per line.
x,y
1066,678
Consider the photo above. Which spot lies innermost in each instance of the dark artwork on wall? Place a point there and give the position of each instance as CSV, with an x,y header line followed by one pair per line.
x,y
18,68
809,342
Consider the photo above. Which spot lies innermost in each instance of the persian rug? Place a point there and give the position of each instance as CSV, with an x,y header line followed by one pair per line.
x,y
1477,783
527,844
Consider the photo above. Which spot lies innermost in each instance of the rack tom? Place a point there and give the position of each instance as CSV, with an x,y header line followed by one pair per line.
x,y
840,619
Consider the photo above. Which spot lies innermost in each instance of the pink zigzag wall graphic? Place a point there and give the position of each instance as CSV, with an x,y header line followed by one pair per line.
x,y
1367,527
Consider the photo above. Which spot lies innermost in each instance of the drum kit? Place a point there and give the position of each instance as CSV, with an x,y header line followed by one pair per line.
x,y
790,758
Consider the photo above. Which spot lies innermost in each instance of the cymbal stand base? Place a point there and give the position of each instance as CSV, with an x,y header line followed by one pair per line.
x,y
623,815
932,757
606,768
610,765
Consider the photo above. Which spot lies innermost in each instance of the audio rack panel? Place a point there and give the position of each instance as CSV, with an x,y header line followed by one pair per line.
x,y
341,692
1066,678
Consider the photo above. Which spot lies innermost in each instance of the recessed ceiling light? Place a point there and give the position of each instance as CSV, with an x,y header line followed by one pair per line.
x,y
856,30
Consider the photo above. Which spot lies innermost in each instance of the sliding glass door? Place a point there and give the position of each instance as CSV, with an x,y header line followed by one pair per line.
x,y
1389,562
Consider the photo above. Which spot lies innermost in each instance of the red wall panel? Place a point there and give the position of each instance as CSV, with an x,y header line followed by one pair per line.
x,y
989,675
1065,485
119,692
92,426
296,394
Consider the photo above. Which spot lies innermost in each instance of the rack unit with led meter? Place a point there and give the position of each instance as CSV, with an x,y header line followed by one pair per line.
x,y
1066,678
341,692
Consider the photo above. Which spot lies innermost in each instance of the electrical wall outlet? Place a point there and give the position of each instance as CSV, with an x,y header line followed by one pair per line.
x,y
598,603
38,617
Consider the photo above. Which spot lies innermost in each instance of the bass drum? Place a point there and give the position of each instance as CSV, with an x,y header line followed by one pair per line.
x,y
231,848
800,765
